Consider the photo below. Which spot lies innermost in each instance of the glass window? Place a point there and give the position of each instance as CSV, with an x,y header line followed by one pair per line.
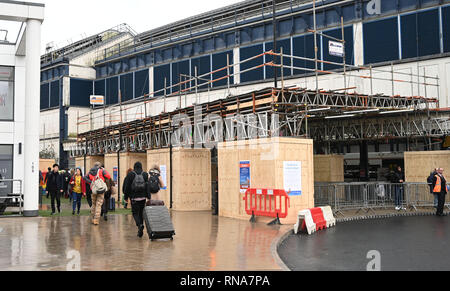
x,y
6,93
381,36
6,169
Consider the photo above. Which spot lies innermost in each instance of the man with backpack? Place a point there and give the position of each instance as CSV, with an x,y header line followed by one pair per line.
x,y
96,178
135,188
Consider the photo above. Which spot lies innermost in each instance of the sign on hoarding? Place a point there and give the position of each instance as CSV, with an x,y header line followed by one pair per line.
x,y
336,49
97,100
163,169
293,178
244,169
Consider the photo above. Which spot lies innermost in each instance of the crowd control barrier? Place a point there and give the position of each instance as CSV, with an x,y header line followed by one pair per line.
x,y
371,196
267,203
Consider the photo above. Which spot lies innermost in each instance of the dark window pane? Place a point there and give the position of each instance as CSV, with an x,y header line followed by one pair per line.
x,y
255,74
80,92
219,62
446,27
381,36
112,91
161,73
141,83
126,87
54,94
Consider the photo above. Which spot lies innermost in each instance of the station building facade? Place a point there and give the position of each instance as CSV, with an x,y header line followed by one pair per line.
x,y
409,36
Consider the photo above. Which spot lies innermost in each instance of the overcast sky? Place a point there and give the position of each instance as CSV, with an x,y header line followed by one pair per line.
x,y
70,19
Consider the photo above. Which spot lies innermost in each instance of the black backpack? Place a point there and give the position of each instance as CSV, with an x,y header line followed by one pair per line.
x,y
138,185
153,183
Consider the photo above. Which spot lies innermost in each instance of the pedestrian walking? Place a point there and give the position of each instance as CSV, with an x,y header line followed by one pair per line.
x,y
125,202
66,181
135,188
97,177
440,189
430,184
55,188
399,179
78,190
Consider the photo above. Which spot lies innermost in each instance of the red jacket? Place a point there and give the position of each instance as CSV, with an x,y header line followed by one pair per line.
x,y
103,174
83,185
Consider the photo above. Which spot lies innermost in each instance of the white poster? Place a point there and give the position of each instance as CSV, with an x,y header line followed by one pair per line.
x,y
163,169
336,49
293,178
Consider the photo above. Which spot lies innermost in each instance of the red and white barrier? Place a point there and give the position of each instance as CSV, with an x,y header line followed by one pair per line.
x,y
329,216
314,219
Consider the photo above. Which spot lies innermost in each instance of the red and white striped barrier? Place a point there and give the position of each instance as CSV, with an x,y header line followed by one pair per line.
x,y
314,219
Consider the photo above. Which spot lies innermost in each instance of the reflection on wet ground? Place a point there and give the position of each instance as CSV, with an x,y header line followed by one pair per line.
x,y
203,243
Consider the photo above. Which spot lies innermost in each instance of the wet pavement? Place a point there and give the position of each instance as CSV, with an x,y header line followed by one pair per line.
x,y
203,243
404,243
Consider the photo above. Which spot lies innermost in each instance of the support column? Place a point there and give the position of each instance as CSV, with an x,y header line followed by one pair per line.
x,y
237,66
32,116
358,47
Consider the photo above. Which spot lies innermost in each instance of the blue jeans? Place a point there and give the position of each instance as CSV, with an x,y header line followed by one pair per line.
x,y
399,196
76,201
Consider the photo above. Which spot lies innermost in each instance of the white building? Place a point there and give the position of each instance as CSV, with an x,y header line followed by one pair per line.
x,y
19,100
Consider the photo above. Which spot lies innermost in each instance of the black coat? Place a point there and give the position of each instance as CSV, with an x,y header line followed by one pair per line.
x,y
397,177
54,182
128,182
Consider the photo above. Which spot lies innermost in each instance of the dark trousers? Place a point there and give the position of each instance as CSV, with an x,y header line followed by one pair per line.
x,y
89,199
441,204
55,195
106,202
398,195
137,207
76,201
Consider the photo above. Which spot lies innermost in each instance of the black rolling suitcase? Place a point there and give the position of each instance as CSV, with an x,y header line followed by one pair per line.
x,y
158,222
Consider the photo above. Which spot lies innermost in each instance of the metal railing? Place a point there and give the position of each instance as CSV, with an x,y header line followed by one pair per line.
x,y
11,195
373,195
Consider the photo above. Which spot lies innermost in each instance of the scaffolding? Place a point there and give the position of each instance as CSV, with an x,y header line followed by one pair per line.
x,y
75,48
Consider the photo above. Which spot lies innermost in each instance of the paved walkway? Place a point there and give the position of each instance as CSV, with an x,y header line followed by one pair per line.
x,y
419,243
203,243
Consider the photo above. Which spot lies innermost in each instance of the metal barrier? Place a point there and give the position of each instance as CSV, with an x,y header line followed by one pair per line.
x,y
373,195
11,195
267,203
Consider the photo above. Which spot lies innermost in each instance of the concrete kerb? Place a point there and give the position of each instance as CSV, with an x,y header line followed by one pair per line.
x,y
278,241
274,250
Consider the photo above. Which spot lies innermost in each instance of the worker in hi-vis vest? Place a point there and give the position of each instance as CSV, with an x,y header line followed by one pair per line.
x,y
440,189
